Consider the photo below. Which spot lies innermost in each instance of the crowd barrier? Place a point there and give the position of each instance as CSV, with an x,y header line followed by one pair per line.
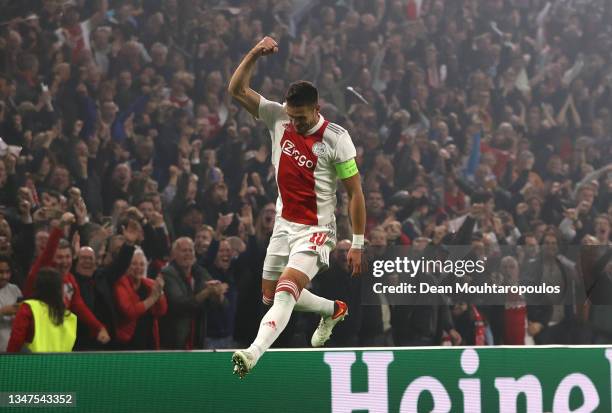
x,y
380,380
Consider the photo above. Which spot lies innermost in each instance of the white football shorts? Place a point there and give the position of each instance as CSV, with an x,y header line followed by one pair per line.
x,y
305,248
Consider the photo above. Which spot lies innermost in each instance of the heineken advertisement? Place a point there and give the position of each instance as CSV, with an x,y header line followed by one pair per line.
x,y
454,379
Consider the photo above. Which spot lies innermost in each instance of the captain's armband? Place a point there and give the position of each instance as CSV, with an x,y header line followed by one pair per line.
x,y
347,169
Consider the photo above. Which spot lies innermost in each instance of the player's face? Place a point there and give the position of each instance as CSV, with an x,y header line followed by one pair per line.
x,y
303,118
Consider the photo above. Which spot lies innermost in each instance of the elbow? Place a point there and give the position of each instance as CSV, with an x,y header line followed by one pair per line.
x,y
236,93
234,89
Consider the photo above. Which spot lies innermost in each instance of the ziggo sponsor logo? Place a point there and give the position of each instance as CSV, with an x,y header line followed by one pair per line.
x,y
289,149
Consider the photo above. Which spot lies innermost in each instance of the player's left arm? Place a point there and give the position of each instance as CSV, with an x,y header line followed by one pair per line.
x,y
352,182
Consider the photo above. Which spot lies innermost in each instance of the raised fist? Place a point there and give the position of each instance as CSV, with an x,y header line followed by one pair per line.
x,y
266,46
67,219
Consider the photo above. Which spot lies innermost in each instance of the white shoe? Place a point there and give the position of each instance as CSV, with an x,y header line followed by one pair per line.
x,y
244,361
327,324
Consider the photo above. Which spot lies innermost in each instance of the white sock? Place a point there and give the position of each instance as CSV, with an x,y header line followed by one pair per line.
x,y
273,323
311,303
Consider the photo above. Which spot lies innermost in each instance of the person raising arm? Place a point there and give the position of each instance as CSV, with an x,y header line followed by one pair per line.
x,y
239,85
309,154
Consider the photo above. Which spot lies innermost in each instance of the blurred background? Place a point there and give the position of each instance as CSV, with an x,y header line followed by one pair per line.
x,y
478,123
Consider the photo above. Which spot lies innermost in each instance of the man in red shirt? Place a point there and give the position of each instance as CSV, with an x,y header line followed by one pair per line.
x,y
58,254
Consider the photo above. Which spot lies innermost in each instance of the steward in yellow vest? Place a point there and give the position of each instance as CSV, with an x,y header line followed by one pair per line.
x,y
49,337
43,324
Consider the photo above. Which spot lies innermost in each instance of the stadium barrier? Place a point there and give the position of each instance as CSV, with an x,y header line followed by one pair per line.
x,y
441,379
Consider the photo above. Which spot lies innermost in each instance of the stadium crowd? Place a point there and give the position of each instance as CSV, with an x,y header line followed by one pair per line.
x,y
125,164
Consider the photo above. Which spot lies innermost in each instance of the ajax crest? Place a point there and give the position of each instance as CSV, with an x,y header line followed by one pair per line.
x,y
319,149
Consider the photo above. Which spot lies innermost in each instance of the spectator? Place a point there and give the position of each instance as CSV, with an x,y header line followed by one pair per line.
x,y
529,250
8,184
551,319
220,328
250,308
371,332
141,302
596,266
60,254
9,304
189,288
43,323
515,320
75,33
97,284
422,323
375,205
202,241
7,245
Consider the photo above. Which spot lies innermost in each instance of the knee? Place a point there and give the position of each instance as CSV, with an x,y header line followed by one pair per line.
x,y
289,286
295,276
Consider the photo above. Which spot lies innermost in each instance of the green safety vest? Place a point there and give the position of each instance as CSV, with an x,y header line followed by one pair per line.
x,y
47,336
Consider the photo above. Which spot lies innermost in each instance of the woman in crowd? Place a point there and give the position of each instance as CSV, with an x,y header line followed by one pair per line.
x,y
141,302
43,323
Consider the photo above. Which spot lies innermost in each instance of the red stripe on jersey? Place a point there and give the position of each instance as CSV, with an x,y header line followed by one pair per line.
x,y
296,181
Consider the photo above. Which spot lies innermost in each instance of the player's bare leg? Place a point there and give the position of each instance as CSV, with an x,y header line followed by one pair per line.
x,y
268,288
287,293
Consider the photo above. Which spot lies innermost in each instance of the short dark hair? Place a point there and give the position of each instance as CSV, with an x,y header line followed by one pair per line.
x,y
64,244
302,93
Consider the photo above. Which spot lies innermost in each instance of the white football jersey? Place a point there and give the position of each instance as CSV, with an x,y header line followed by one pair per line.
x,y
305,165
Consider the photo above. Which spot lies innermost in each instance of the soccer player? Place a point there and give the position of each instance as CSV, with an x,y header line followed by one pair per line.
x,y
309,154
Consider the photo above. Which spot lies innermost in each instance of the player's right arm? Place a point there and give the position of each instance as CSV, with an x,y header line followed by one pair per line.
x,y
239,85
